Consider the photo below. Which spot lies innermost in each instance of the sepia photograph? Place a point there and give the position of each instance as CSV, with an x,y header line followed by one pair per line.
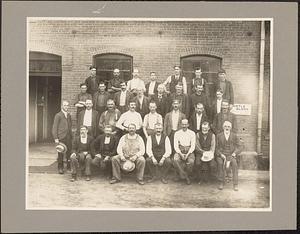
x,y
149,114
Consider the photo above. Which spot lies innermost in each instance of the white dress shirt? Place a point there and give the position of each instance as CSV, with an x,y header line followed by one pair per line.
x,y
151,88
106,140
123,98
87,119
128,118
168,149
198,120
65,113
226,134
151,119
219,102
184,138
83,140
175,119
135,83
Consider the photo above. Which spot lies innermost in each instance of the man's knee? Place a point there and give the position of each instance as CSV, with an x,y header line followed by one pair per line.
x,y
177,158
88,157
149,160
141,160
168,161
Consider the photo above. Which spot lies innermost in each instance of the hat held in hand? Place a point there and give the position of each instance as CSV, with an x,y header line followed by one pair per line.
x,y
61,148
207,156
128,166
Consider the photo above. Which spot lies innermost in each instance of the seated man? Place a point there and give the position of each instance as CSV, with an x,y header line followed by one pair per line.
x,y
131,147
227,148
81,157
103,148
184,145
205,144
109,117
151,119
159,150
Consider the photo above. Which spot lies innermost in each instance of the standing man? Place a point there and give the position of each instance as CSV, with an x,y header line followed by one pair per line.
x,y
131,147
151,87
103,148
92,81
122,98
173,80
81,157
88,118
158,150
197,118
114,85
228,147
172,121
226,86
198,80
135,83
184,145
183,99
62,132
224,115
81,98
151,119
205,145
161,100
130,117
142,102
100,98
199,97
110,117
216,104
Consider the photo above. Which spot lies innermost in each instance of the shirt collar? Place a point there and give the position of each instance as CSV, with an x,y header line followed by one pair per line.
x,y
65,113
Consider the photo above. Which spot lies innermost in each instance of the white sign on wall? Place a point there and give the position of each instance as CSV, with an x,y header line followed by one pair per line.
x,y
241,109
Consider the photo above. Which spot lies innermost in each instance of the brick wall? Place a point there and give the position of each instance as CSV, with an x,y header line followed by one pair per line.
x,y
157,46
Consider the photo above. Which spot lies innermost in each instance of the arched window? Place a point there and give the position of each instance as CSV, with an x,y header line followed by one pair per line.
x,y
209,66
106,63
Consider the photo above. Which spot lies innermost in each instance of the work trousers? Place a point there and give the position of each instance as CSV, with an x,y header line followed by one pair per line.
x,y
184,167
221,169
155,170
81,162
140,163
204,170
60,156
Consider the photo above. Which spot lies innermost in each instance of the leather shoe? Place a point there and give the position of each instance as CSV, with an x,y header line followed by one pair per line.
x,y
235,188
188,181
114,181
151,179
164,181
60,171
221,185
140,182
73,178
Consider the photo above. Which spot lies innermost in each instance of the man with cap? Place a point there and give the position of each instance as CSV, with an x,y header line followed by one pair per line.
x,y
159,151
110,117
62,132
161,100
204,153
81,154
184,99
197,118
184,145
135,83
224,115
142,102
103,148
227,148
173,80
130,117
199,97
81,98
122,98
114,85
198,79
151,119
216,104
226,86
100,98
92,81
131,147
88,118
151,87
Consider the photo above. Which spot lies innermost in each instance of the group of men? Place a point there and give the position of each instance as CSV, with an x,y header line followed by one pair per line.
x,y
157,125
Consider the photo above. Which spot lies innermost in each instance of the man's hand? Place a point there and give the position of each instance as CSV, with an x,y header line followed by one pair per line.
x,y
98,156
161,162
223,156
56,141
85,152
123,158
73,154
133,158
154,160
233,155
106,158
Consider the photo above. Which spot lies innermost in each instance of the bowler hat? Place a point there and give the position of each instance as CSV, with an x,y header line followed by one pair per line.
x,y
207,156
61,148
128,166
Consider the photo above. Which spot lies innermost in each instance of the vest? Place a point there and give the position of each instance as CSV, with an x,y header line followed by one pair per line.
x,y
158,149
205,144
174,82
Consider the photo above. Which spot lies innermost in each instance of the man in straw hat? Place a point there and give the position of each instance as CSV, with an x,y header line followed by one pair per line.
x,y
130,148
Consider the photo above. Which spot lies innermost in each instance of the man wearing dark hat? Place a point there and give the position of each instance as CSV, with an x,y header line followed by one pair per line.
x,y
88,118
81,154
81,98
131,147
62,132
92,82
173,80
103,148
114,85
226,86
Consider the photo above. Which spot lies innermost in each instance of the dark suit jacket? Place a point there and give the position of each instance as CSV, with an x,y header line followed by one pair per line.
x,y
78,147
220,118
94,122
90,89
235,144
97,146
95,99
195,99
168,122
145,106
228,94
185,103
117,99
155,87
62,126
213,109
162,105
193,122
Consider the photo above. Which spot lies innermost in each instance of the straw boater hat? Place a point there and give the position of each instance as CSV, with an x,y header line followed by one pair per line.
x,y
61,148
128,166
207,156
